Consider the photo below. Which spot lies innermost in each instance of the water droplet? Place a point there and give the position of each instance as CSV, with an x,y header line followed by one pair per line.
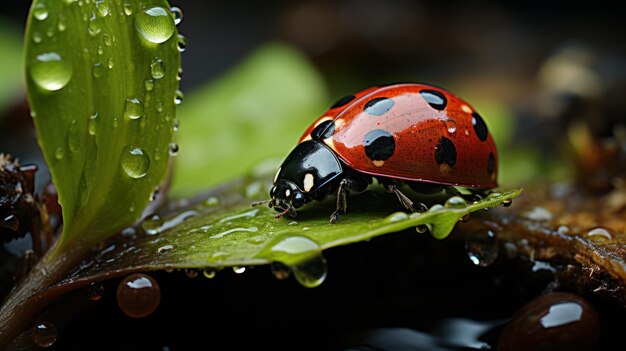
x,y
133,109
211,201
131,208
110,63
129,232
280,271
94,25
563,230
97,70
191,273
95,291
51,72
155,25
312,272
168,268
135,162
507,202
138,295
92,127
165,248
290,249
482,248
157,68
455,202
103,8
61,26
178,97
466,218
149,84
152,224
599,233
107,39
179,74
177,14
40,11
159,106
128,8
100,50
155,193
239,270
33,114
176,125
538,214
44,333
74,136
421,229
58,153
37,38
292,223
173,149
116,123
450,125
397,217
182,43
50,32
157,154
209,273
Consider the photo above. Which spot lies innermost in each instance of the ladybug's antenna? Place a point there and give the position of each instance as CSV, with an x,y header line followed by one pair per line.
x,y
257,203
288,210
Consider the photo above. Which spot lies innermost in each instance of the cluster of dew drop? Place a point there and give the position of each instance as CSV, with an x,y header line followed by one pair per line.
x,y
52,72
138,295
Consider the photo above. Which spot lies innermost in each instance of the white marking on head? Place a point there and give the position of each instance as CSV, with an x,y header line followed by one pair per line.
x,y
466,109
276,176
308,182
287,193
378,163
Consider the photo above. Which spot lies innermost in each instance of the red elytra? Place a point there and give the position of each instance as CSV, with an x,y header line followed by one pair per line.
x,y
433,136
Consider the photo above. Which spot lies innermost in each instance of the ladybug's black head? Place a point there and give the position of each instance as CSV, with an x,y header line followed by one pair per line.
x,y
286,197
308,169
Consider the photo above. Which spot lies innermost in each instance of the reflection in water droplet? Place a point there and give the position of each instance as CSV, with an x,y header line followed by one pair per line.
x,y
58,153
133,108
97,70
173,149
482,248
138,295
211,201
135,162
191,273
40,11
37,38
100,50
152,224
44,333
74,136
301,254
92,127
149,84
155,25
103,7
95,291
507,202
178,97
165,248
128,8
50,71
239,270
455,202
177,14
179,74
157,68
312,272
599,233
209,273
182,43
94,25
450,125
421,229
168,268
280,271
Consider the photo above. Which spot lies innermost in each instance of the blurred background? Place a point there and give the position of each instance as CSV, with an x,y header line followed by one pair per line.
x,y
549,78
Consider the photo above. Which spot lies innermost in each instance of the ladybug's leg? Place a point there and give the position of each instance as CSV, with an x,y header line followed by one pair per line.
x,y
346,185
404,200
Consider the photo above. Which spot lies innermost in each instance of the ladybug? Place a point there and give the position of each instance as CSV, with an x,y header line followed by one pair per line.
x,y
418,134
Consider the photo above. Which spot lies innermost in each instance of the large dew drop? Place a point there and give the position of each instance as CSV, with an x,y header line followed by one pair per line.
x,y
155,25
133,108
135,162
138,295
50,71
157,68
40,11
44,333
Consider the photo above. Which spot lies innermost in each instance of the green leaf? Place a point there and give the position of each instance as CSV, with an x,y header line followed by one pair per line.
x,y
221,229
11,80
102,79
256,111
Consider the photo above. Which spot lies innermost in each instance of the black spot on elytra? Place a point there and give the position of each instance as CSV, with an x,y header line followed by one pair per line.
x,y
379,145
378,106
491,164
479,126
434,98
445,152
323,130
344,100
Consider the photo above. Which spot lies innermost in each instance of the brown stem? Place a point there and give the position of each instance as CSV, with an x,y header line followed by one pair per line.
x,y
30,296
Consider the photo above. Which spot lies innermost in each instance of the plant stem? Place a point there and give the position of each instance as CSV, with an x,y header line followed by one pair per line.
x,y
32,294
